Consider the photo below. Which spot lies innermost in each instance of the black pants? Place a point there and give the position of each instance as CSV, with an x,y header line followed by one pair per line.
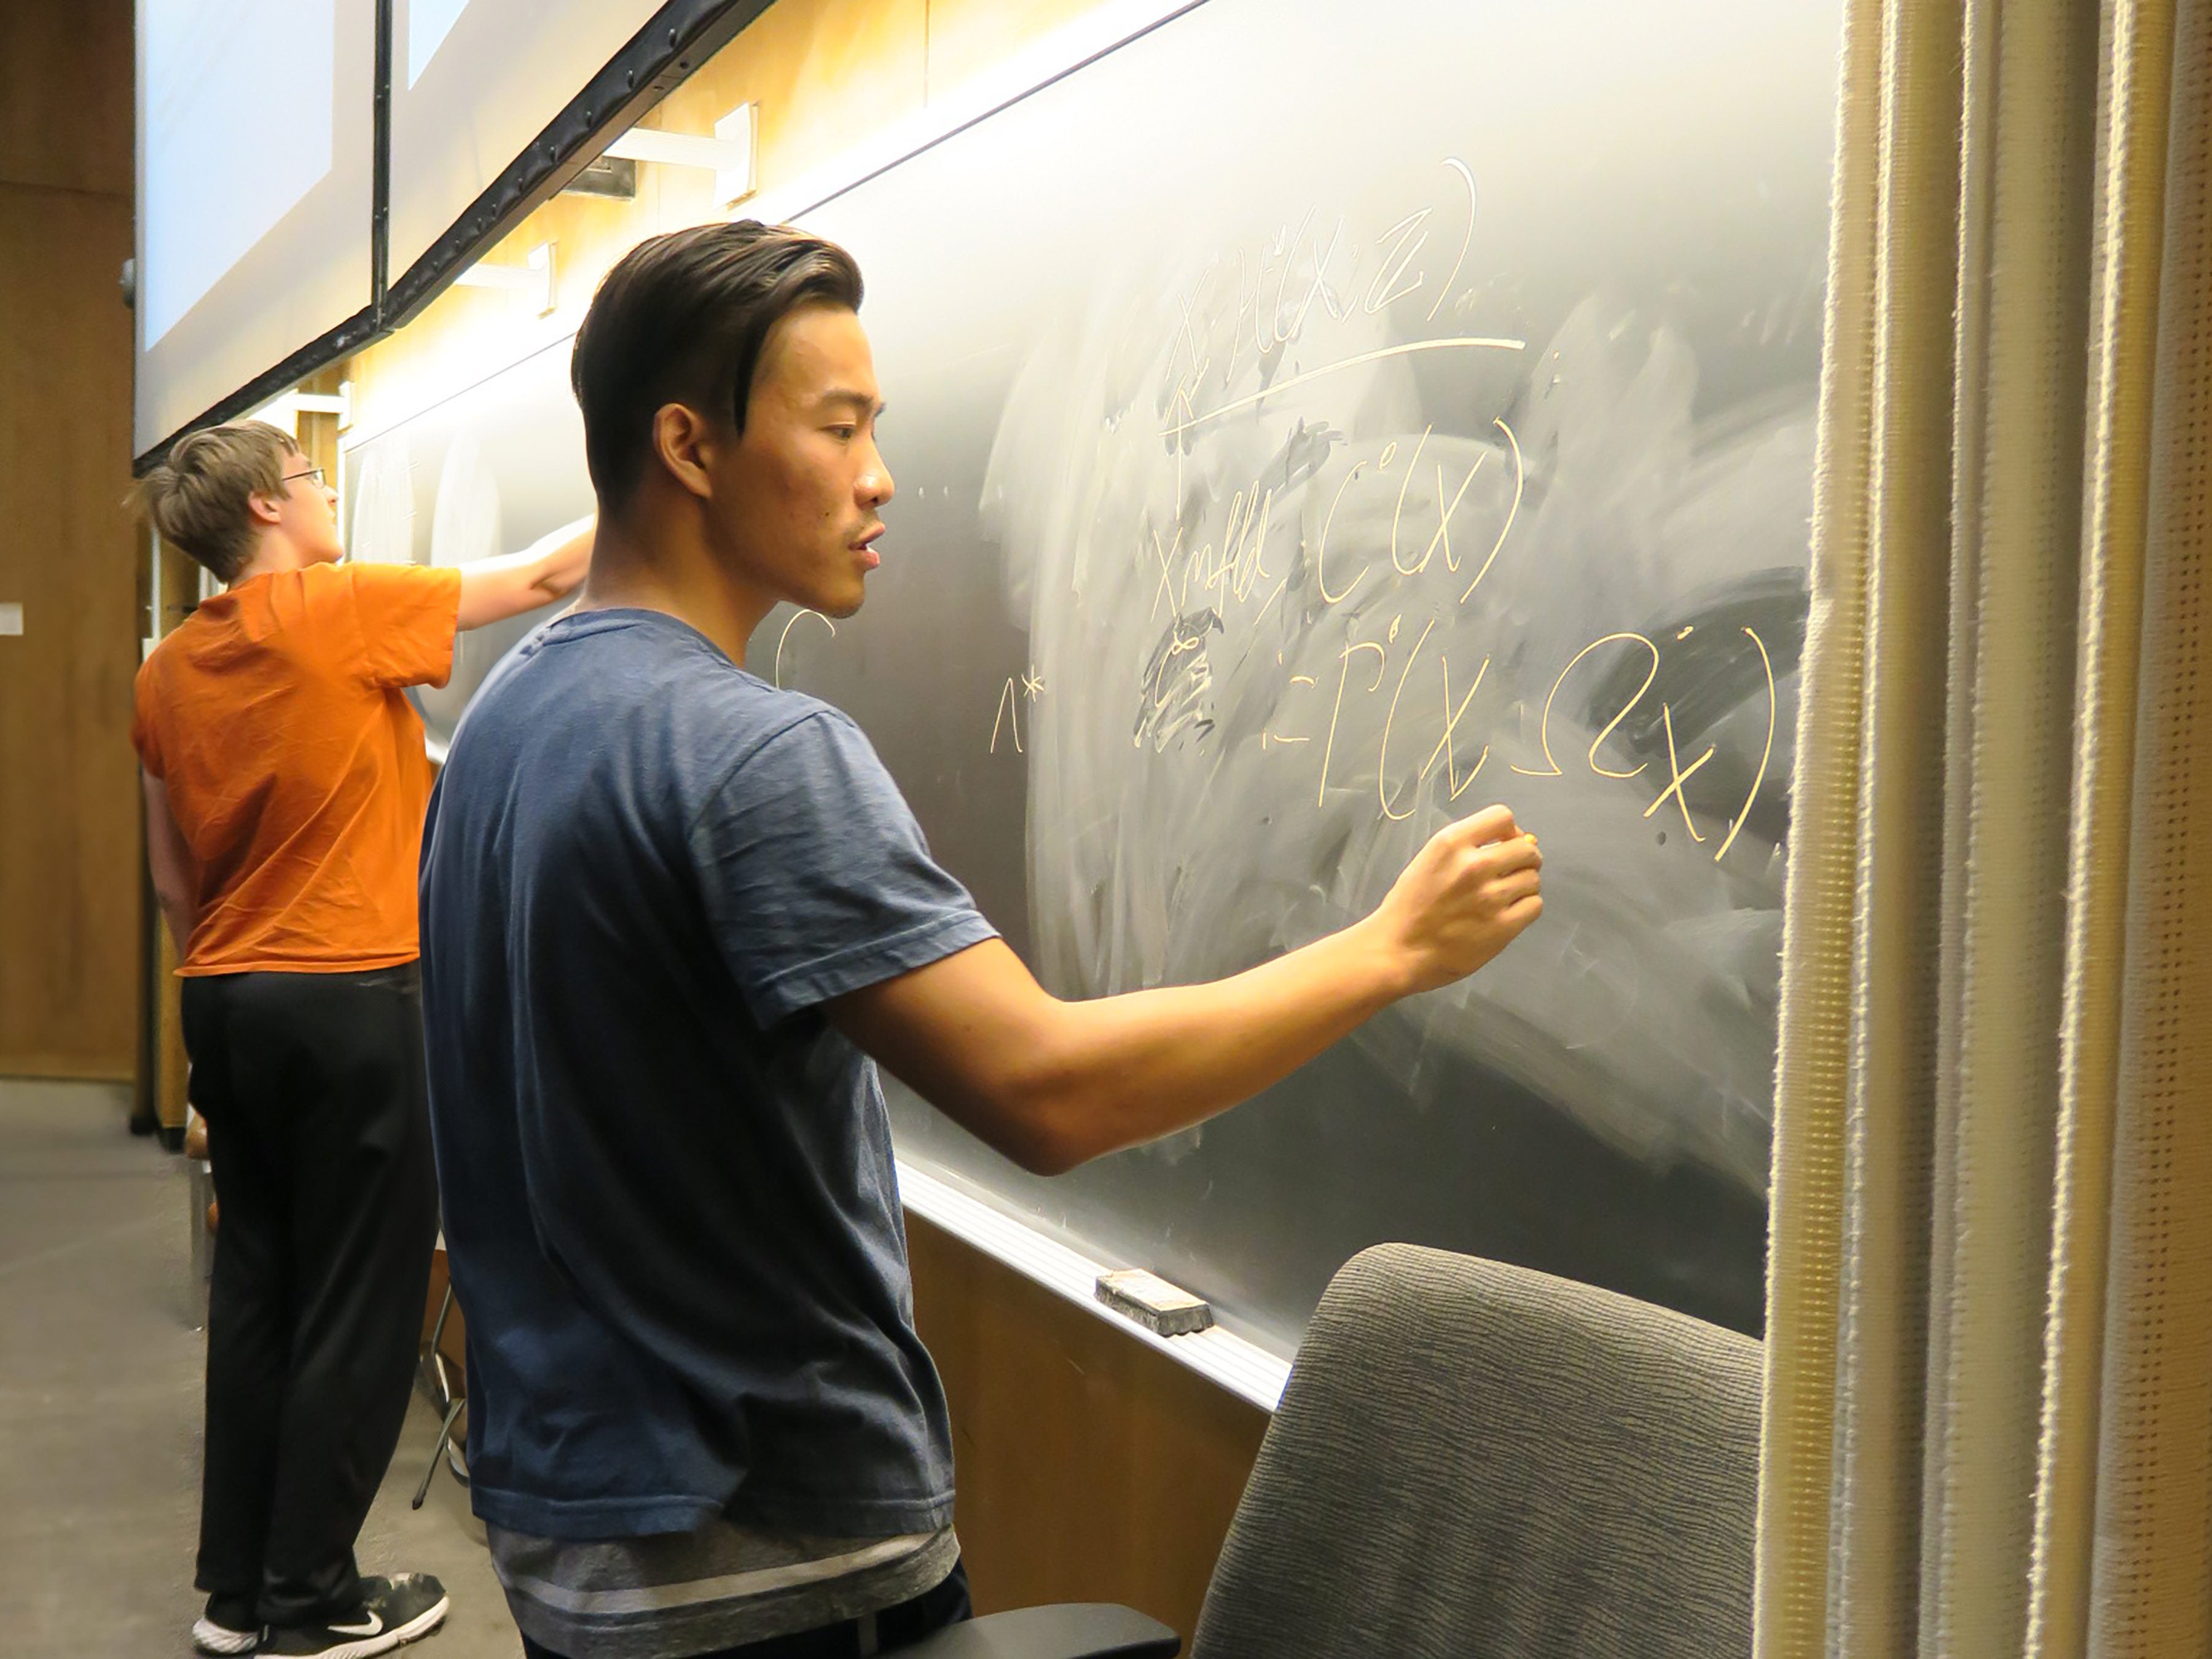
x,y
319,1136
896,1627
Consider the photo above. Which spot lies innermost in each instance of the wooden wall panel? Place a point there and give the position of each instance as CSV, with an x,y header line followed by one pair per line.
x,y
1091,1468
826,74
165,1089
65,106
70,847
171,1071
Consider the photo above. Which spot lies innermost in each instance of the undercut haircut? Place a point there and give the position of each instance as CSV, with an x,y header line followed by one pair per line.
x,y
197,498
682,318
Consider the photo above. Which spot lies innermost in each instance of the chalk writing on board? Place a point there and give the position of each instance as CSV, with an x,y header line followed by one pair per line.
x,y
1009,717
1333,548
784,638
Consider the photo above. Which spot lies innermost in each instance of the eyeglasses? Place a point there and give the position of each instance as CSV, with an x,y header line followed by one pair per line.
x,y
314,472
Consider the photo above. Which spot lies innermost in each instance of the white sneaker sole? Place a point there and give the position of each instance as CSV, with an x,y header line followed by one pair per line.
x,y
384,1641
424,1622
208,1636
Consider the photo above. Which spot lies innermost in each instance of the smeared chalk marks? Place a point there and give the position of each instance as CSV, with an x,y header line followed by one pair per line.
x,y
1190,422
1177,678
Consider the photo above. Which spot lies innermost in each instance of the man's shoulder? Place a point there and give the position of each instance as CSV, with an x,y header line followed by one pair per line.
x,y
641,662
174,652
156,662
324,583
642,686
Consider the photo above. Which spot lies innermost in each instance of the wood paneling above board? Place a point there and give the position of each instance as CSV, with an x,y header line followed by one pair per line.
x,y
969,38
65,103
826,74
69,809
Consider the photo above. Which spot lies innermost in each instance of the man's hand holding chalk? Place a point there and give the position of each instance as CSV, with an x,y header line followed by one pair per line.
x,y
1465,897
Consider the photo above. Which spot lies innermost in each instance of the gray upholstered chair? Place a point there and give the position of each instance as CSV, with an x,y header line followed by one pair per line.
x,y
1473,1462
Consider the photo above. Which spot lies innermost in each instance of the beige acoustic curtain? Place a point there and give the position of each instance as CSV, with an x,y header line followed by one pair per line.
x,y
1989,1426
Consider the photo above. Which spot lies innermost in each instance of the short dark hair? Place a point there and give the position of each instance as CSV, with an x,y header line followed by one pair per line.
x,y
682,318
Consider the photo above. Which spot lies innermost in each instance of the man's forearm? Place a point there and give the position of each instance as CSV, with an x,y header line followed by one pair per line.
x,y
169,861
1051,1083
1145,1065
562,565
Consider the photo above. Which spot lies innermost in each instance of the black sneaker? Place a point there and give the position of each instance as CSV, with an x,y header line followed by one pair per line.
x,y
392,1611
229,1625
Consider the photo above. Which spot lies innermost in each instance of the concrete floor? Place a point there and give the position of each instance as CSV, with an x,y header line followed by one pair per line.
x,y
101,1355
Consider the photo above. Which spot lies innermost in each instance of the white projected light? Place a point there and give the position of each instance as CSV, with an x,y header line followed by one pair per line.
x,y
428,23
256,170
210,196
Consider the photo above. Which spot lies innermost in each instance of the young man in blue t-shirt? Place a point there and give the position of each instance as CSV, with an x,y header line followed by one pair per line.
x,y
672,919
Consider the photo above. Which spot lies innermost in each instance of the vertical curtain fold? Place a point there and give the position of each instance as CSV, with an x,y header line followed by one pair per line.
x,y
1890,1078
1805,1210
2131,150
1989,1319
2151,1586
2023,301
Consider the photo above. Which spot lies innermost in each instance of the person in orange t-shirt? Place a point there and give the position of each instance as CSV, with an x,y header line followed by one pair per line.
x,y
285,782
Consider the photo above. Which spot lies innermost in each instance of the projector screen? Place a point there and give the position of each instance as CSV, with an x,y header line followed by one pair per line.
x,y
256,176
473,82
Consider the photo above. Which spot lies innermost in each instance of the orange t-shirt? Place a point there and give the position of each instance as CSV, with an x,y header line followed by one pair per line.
x,y
274,716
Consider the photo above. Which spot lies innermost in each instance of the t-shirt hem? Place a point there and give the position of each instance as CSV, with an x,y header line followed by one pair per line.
x,y
587,1518
847,1517
873,962
351,964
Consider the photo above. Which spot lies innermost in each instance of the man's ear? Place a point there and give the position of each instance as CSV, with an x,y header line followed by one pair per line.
x,y
684,442
263,509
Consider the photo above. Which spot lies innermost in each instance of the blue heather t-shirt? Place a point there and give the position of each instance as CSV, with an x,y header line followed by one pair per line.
x,y
669,1198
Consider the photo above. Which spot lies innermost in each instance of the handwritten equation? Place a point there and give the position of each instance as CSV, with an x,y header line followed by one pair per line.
x,y
1374,614
1399,684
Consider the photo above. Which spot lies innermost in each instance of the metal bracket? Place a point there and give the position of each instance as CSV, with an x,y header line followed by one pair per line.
x,y
729,155
535,277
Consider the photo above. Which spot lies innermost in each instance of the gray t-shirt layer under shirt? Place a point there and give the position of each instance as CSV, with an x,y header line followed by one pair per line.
x,y
720,1587
669,1201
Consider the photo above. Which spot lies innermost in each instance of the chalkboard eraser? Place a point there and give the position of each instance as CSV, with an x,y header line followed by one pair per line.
x,y
1153,1303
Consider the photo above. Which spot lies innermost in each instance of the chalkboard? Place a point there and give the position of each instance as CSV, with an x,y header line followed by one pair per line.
x,y
1313,422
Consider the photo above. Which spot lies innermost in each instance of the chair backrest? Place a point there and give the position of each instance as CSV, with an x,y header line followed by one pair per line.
x,y
1475,1462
